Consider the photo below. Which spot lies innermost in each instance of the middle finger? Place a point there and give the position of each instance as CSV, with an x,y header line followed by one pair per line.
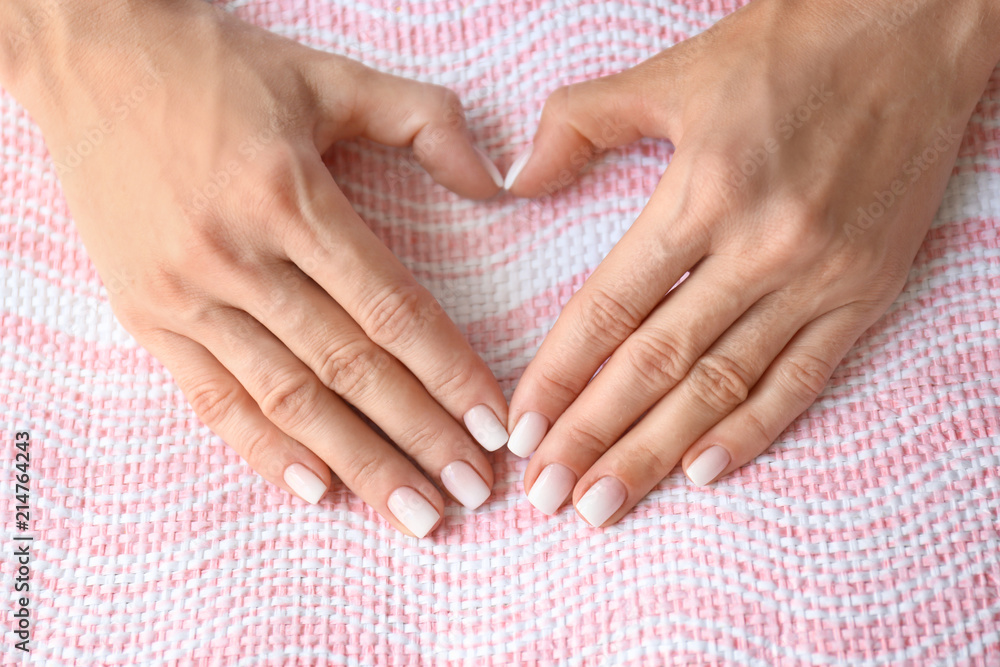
x,y
320,333
651,361
715,385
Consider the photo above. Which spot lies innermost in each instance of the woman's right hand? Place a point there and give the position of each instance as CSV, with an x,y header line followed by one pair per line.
x,y
189,147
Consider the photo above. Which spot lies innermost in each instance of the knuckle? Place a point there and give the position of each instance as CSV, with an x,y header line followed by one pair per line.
x,y
255,447
365,472
759,430
169,286
646,458
173,295
585,440
212,401
806,374
419,440
280,190
451,104
720,382
557,106
349,369
607,315
455,379
440,108
288,400
556,384
801,228
398,314
656,363
208,242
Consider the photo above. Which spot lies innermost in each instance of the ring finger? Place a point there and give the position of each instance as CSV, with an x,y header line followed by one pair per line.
x,y
318,331
719,380
293,399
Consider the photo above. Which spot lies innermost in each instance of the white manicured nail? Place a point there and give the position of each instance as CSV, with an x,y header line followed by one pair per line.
x,y
413,511
515,169
304,483
551,489
528,434
708,465
486,428
463,482
490,168
601,501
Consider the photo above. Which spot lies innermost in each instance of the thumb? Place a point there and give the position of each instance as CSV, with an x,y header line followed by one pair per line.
x,y
581,121
396,111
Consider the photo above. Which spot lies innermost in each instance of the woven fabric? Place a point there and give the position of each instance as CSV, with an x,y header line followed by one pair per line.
x,y
868,535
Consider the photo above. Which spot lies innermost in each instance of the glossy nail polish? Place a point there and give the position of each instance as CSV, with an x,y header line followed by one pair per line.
x,y
304,483
551,488
527,434
709,465
413,511
486,428
516,167
465,484
601,501
490,168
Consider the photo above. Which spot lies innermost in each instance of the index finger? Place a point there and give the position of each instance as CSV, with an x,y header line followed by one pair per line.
x,y
330,243
647,262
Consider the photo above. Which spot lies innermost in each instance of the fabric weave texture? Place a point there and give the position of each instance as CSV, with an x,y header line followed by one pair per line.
x,y
867,535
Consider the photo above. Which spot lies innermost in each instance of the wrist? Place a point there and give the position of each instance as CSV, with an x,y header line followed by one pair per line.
x,y
970,27
57,52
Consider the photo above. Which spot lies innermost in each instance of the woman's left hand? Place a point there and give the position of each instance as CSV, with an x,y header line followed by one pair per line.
x,y
814,140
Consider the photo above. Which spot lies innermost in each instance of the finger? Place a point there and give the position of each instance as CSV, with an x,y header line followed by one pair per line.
x,y
293,399
652,360
337,250
664,243
789,387
397,111
581,121
717,383
318,331
222,403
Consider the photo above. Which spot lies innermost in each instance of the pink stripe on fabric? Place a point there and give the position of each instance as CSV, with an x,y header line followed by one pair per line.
x,y
866,535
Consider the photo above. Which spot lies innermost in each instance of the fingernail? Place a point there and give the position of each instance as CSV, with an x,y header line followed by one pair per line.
x,y
709,465
413,511
486,428
601,501
528,434
552,488
304,483
515,169
463,482
490,168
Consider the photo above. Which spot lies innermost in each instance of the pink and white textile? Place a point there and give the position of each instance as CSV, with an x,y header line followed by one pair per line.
x,y
868,535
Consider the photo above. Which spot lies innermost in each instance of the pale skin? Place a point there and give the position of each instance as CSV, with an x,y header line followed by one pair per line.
x,y
813,144
270,301
276,309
